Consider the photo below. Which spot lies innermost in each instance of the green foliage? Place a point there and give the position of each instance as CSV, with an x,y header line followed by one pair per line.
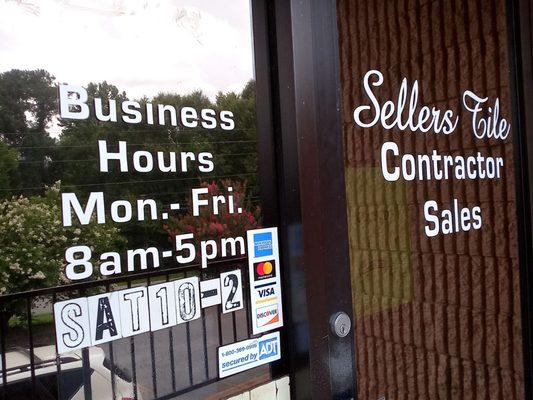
x,y
234,152
240,157
32,238
33,241
18,321
27,105
8,166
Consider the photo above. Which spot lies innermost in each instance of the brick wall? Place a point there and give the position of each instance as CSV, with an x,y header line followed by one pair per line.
x,y
436,318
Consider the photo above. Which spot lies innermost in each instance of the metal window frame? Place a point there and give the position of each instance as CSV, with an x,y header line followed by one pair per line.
x,y
520,33
304,91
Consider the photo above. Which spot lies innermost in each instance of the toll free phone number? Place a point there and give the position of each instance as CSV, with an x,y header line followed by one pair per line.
x,y
238,350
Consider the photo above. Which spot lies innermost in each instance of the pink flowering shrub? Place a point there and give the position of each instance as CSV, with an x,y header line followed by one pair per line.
x,y
207,226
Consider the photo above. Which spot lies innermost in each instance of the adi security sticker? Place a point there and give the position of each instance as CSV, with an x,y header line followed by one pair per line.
x,y
251,353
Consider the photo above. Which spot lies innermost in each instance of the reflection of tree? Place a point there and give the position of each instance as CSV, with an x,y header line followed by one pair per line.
x,y
8,166
31,159
28,101
33,241
234,153
27,104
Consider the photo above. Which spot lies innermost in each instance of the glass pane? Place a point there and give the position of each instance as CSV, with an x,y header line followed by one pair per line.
x,y
431,199
120,122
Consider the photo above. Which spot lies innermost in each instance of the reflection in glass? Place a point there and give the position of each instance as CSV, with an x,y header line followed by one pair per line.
x,y
438,315
170,90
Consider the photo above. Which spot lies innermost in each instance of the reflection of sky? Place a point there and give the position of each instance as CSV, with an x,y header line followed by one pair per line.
x,y
142,46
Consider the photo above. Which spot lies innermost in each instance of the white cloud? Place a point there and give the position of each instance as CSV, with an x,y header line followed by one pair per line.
x,y
142,46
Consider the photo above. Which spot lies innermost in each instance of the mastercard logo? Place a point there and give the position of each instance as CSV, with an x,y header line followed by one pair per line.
x,y
264,270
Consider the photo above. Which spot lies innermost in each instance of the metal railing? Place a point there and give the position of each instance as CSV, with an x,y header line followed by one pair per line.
x,y
154,365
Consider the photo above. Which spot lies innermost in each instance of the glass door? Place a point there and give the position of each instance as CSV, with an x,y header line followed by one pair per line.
x,y
129,178
431,199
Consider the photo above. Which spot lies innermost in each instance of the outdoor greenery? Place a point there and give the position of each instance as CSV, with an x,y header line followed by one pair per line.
x,y
36,320
33,240
36,166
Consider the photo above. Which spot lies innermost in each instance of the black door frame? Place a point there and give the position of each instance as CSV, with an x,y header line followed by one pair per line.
x,y
520,31
298,89
324,212
279,172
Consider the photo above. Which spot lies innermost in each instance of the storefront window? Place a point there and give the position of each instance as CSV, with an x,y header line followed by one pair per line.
x,y
128,159
431,199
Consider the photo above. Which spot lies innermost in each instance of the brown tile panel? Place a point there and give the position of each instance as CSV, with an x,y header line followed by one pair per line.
x,y
436,318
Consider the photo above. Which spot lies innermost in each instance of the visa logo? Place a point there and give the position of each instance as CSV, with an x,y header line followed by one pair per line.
x,y
268,348
266,292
